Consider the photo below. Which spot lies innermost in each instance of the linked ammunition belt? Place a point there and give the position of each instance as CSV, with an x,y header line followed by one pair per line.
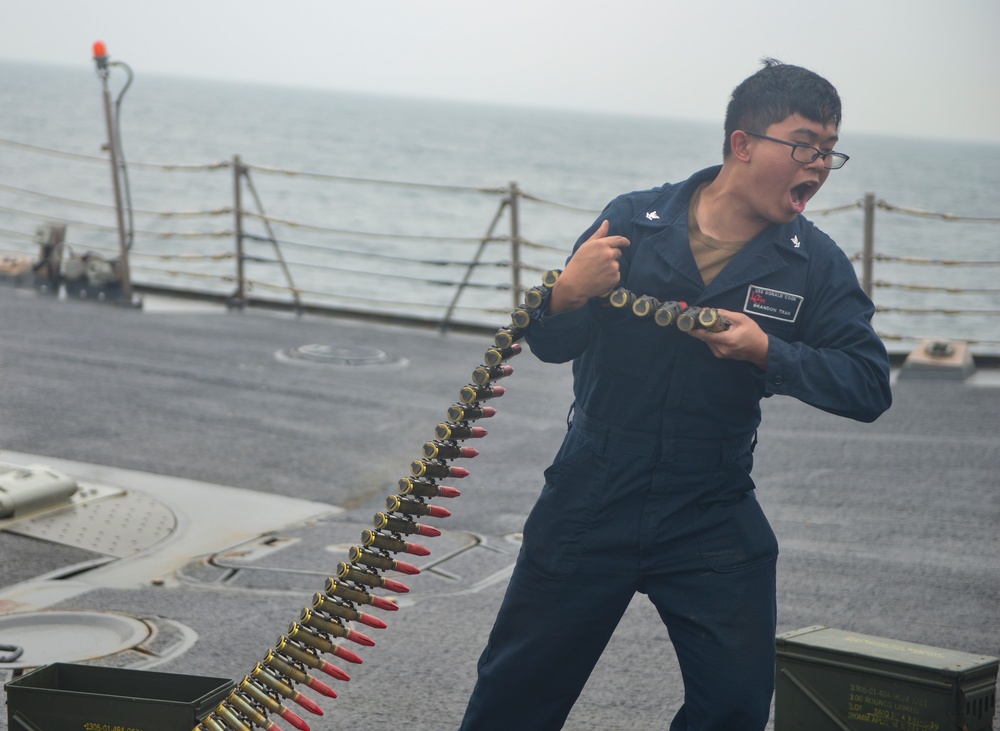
x,y
318,627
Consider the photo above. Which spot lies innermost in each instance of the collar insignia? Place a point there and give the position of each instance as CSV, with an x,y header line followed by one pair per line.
x,y
652,216
795,240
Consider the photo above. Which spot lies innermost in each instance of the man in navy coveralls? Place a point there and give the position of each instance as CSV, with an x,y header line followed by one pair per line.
x,y
651,488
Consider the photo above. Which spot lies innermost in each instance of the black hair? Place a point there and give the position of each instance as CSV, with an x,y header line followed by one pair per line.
x,y
774,93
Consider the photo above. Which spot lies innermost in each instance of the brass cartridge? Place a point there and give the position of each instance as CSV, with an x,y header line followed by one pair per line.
x,y
666,314
425,488
687,320
471,394
230,719
264,699
360,555
339,607
391,543
269,679
483,375
550,277
645,305
520,318
466,412
621,298
237,701
534,297
349,572
297,674
413,506
211,724
444,450
458,432
338,588
333,627
402,525
305,636
435,468
496,356
507,336
308,658
710,319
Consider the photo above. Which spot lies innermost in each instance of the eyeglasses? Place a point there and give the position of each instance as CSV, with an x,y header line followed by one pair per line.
x,y
807,153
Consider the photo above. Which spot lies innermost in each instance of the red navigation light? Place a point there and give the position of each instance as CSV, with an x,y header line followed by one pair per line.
x,y
100,50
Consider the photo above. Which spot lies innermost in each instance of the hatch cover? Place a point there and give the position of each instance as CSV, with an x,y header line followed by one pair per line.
x,y
340,355
120,525
48,637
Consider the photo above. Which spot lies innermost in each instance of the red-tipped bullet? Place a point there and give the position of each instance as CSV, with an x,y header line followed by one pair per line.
x,y
385,604
308,703
333,671
344,654
293,719
264,677
250,689
360,637
396,586
320,687
371,621
407,568
299,676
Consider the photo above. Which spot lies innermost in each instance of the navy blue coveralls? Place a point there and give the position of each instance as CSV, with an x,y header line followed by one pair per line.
x,y
651,488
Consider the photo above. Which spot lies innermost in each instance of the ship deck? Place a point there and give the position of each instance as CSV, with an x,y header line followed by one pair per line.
x,y
227,460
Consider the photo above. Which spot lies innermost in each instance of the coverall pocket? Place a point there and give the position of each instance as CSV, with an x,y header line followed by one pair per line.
x,y
557,527
734,534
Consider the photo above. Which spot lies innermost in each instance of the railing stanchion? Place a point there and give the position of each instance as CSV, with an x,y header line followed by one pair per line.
x,y
239,297
515,244
868,253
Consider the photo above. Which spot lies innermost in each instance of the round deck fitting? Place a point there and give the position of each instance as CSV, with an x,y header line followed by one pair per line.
x,y
49,637
339,355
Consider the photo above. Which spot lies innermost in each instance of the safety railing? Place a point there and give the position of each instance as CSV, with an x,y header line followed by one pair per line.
x,y
400,249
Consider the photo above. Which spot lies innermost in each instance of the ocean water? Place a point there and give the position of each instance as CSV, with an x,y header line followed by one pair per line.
x,y
375,246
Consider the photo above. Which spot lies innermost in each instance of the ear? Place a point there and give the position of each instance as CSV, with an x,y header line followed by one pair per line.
x,y
739,143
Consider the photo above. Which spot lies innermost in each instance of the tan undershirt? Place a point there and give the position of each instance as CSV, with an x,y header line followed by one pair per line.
x,y
711,255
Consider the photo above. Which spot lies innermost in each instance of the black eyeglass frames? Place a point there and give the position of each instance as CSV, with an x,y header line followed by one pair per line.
x,y
807,153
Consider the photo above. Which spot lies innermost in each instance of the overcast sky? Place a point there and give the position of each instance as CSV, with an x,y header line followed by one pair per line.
x,y
923,68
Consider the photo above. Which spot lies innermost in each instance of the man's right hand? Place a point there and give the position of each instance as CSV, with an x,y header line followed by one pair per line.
x,y
592,271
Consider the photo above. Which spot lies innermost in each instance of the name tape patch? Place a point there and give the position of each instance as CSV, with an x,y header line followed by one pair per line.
x,y
772,303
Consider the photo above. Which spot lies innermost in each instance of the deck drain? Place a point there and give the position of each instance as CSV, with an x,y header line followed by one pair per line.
x,y
340,355
69,636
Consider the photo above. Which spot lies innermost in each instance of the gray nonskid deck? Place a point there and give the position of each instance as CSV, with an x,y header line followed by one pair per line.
x,y
888,529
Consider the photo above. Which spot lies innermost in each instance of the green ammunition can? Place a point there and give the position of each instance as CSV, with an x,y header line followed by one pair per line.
x,y
829,680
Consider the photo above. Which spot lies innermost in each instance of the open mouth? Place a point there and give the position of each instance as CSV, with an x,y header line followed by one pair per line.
x,y
801,193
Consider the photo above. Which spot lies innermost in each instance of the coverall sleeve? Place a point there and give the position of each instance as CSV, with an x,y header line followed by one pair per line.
x,y
840,365
563,337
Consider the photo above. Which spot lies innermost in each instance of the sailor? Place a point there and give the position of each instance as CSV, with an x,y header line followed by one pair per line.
x,y
651,490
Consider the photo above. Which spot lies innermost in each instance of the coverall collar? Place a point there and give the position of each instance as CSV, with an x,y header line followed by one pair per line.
x,y
766,253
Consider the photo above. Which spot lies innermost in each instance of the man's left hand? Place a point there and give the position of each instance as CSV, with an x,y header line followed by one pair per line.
x,y
742,340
